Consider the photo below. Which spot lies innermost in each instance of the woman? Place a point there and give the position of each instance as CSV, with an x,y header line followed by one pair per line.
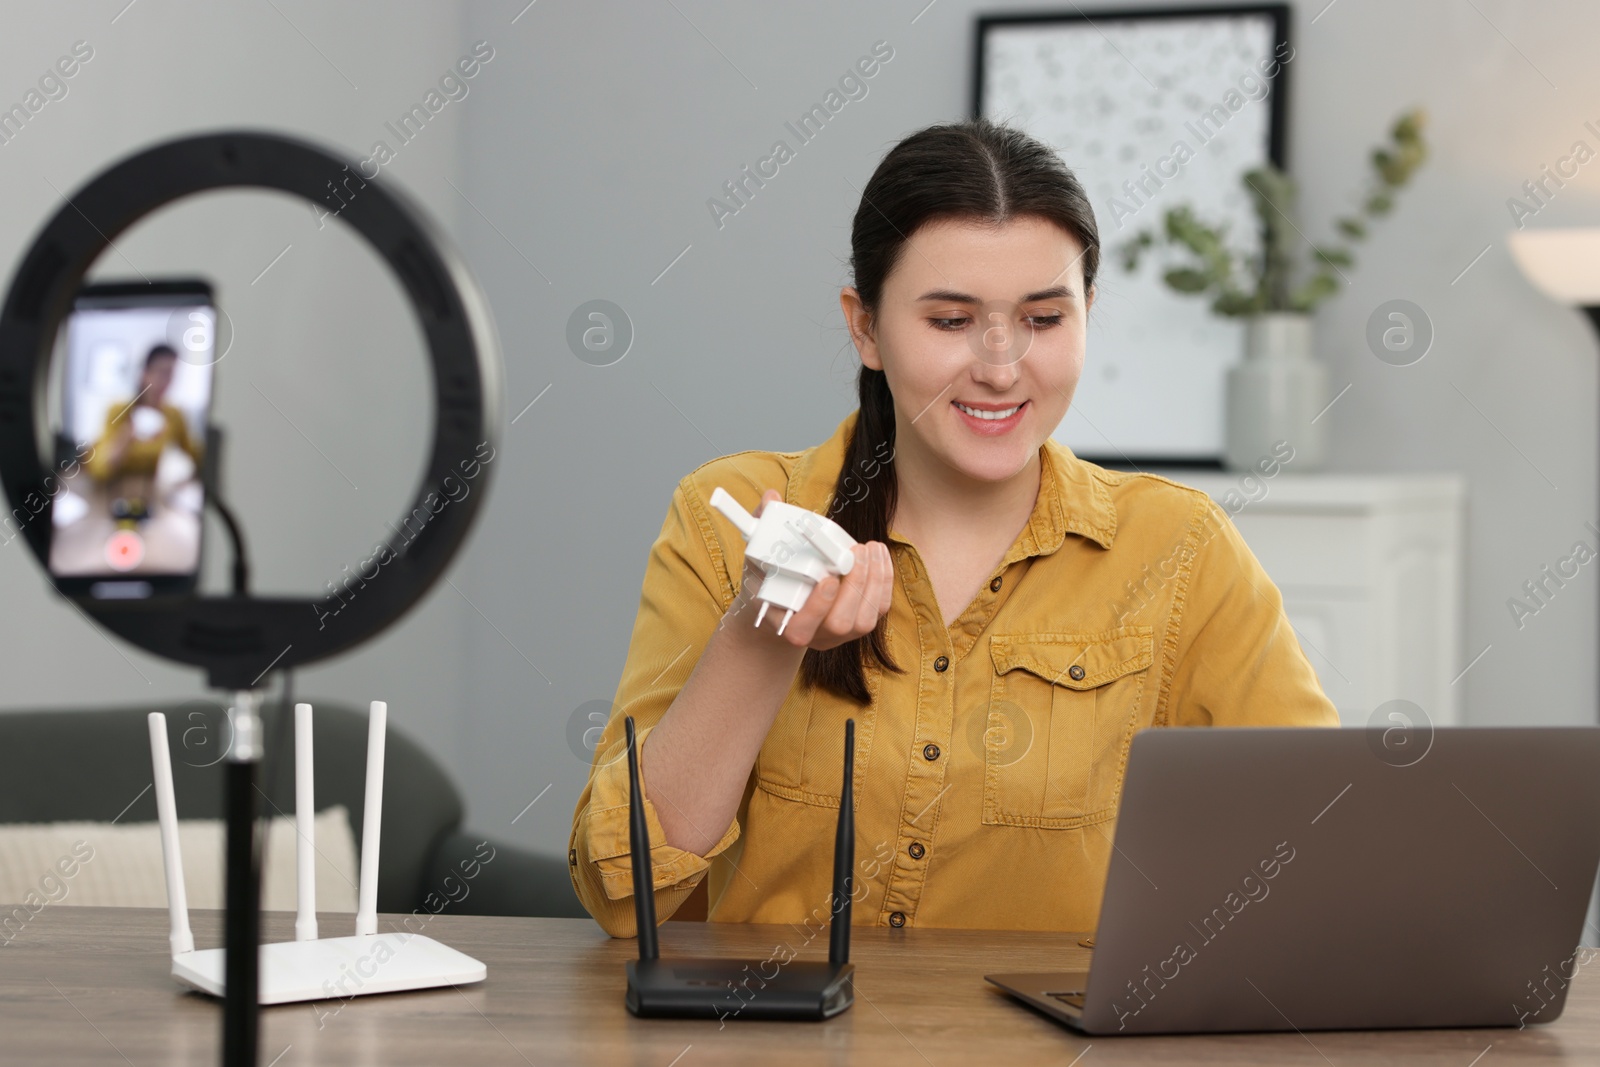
x,y
1014,615
136,434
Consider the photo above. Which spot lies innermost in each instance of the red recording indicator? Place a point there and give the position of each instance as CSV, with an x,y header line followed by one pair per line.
x,y
124,550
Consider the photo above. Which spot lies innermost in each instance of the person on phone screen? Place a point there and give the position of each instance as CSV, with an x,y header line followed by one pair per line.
x,y
136,433
1014,615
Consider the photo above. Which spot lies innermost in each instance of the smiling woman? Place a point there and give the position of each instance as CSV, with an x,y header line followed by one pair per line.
x,y
976,641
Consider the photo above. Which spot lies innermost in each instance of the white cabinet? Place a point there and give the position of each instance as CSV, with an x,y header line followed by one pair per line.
x,y
1370,569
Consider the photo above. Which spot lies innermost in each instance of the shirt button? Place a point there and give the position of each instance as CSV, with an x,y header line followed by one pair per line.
x,y
897,919
994,586
1076,671
930,752
941,664
916,850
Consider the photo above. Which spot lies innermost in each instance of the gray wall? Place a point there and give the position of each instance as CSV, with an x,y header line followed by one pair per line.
x,y
588,149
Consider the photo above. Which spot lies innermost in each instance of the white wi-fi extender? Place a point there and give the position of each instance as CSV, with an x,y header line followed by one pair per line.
x,y
795,547
310,968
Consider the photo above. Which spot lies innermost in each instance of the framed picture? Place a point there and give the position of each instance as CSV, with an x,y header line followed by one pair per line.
x,y
1151,109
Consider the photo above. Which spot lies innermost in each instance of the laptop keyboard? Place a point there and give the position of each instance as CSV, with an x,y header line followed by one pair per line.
x,y
1075,998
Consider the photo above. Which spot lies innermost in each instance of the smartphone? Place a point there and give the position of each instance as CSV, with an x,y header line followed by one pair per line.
x,y
128,495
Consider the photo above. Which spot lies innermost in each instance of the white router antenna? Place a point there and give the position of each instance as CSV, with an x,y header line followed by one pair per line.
x,y
305,825
372,821
723,501
171,854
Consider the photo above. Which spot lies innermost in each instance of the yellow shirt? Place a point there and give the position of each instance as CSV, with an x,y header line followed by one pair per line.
x,y
142,455
987,775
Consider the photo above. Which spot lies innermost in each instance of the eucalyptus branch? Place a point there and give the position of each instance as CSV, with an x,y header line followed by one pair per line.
x,y
1272,278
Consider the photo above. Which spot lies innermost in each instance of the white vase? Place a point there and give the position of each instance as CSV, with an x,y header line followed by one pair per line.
x,y
1274,393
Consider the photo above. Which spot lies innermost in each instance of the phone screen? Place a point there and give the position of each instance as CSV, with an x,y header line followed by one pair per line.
x,y
136,387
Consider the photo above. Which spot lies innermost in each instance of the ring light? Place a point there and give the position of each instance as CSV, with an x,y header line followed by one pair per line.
x,y
236,639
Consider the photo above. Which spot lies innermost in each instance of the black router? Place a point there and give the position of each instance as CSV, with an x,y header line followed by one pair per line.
x,y
741,989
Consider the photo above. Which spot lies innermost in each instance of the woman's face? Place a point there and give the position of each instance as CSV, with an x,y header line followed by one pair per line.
x,y
156,380
980,331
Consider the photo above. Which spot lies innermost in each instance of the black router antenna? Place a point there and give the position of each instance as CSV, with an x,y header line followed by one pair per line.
x,y
740,989
644,897
844,854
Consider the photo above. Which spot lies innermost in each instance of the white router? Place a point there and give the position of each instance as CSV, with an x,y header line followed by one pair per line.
x,y
310,968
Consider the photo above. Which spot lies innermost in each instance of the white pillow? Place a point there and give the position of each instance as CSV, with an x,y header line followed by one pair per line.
x,y
100,864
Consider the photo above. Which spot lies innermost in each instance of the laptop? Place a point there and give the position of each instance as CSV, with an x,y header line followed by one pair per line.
x,y
1351,879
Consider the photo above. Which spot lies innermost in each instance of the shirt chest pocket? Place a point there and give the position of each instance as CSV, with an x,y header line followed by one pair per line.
x,y
1063,708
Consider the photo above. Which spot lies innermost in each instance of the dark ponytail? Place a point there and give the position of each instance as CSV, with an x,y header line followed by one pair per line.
x,y
974,170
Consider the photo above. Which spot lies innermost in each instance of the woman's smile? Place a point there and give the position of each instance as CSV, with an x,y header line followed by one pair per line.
x,y
990,419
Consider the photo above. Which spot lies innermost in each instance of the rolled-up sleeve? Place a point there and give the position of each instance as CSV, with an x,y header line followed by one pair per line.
x,y
1239,662
685,592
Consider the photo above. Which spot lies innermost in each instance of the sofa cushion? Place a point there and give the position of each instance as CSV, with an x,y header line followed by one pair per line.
x,y
120,865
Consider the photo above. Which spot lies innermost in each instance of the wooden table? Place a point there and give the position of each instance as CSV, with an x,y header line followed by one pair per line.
x,y
92,985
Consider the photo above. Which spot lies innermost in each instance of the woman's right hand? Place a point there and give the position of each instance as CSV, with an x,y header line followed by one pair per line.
x,y
836,611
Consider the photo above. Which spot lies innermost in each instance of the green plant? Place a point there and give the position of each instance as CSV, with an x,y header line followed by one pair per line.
x,y
1242,285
